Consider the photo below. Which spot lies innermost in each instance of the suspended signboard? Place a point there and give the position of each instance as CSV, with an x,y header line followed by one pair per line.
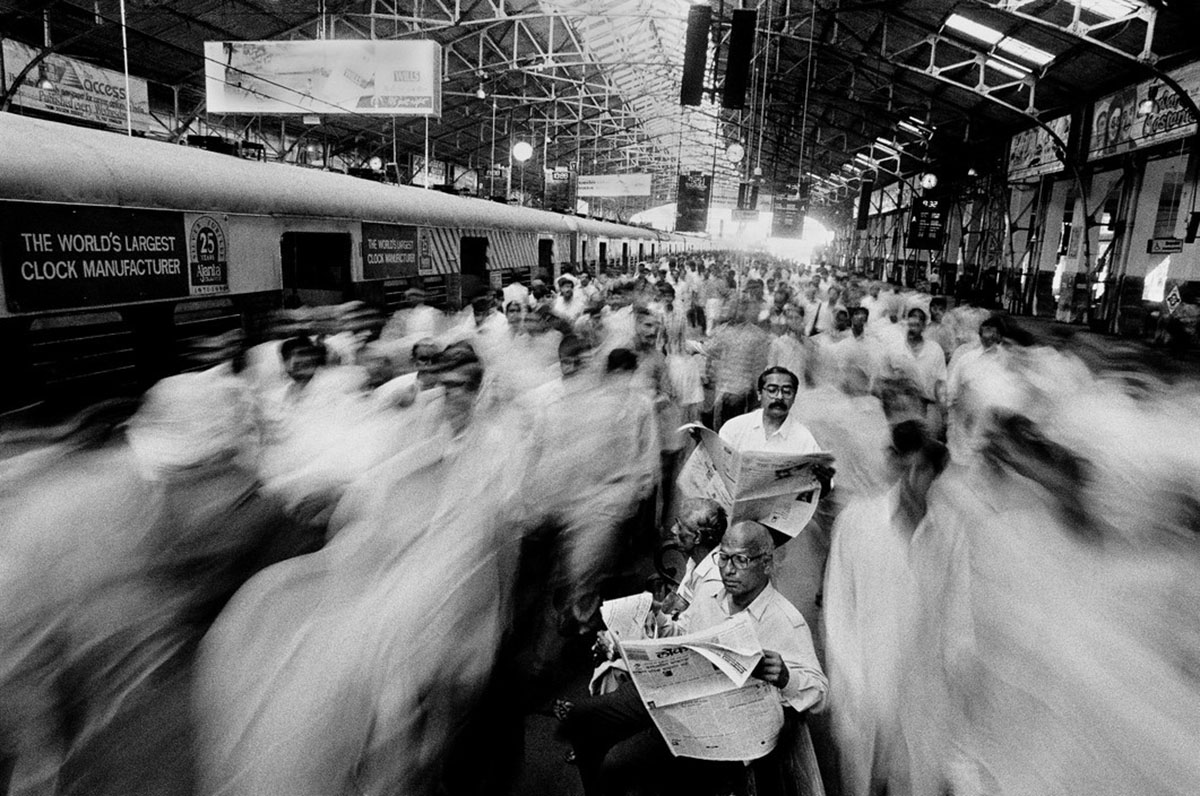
x,y
787,219
691,203
557,193
466,179
392,78
73,88
614,185
1143,115
927,227
1034,152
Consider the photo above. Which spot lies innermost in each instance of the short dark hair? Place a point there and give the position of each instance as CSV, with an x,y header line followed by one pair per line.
x,y
762,377
920,313
621,359
572,346
937,301
860,311
300,345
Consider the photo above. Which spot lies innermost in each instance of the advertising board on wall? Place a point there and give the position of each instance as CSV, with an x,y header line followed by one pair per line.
x,y
393,78
1143,115
1033,153
557,191
73,88
614,184
60,257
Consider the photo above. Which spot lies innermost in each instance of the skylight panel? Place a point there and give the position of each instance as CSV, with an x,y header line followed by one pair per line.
x,y
1006,44
1026,52
1006,67
974,29
1111,9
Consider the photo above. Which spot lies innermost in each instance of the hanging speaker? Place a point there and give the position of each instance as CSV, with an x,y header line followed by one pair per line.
x,y
737,64
695,56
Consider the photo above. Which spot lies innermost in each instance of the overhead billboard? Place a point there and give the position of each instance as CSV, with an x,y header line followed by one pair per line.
x,y
1035,152
613,185
437,171
1144,115
73,88
390,78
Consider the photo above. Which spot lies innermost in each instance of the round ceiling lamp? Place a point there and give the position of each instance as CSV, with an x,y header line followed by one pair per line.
x,y
522,151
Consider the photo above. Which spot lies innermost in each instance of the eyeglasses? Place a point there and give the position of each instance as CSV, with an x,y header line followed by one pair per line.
x,y
739,560
779,389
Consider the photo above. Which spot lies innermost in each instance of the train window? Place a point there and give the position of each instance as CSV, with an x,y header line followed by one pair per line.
x,y
317,261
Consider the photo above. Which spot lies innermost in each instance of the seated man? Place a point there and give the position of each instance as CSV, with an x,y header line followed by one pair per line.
x,y
614,737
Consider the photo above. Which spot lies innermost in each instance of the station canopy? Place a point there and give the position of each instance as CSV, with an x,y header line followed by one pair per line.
x,y
835,87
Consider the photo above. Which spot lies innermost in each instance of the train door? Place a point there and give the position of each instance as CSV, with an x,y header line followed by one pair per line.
x,y
545,263
473,255
624,252
641,252
603,255
316,267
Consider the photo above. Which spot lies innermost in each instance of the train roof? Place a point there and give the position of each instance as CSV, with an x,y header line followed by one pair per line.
x,y
46,161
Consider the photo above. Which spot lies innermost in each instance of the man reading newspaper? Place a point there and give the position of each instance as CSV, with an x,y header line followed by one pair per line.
x,y
620,740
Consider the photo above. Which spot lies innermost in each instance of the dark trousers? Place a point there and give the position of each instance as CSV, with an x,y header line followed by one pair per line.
x,y
618,750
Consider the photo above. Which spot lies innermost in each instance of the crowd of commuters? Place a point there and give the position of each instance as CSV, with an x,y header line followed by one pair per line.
x,y
336,562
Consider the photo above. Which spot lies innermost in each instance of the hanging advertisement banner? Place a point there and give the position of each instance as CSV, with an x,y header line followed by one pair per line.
x,y
437,171
614,184
691,204
466,179
73,88
1034,152
60,256
392,78
557,193
1144,115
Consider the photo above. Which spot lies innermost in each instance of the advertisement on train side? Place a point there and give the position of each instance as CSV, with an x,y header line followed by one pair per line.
x,y
393,78
390,251
60,257
1144,115
65,86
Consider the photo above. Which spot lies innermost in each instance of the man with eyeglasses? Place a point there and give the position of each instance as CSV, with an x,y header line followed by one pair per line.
x,y
616,743
771,428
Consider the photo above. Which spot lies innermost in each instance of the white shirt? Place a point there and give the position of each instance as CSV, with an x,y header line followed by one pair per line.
x,y
863,353
779,627
926,366
747,433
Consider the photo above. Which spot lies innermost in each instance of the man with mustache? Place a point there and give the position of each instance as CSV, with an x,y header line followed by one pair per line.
x,y
771,428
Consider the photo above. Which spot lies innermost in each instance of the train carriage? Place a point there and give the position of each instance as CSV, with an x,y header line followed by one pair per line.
x,y
115,250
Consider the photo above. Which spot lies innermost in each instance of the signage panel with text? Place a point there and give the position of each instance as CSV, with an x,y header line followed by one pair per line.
x,y
927,227
59,256
691,209
390,251
73,88
614,184
392,78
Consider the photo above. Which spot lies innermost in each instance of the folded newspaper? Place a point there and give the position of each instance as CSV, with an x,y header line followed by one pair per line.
x,y
777,489
699,693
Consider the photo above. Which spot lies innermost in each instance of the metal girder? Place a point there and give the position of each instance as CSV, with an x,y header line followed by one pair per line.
x,y
1078,28
1146,58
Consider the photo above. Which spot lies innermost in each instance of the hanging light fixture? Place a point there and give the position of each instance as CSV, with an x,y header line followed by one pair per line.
x,y
480,93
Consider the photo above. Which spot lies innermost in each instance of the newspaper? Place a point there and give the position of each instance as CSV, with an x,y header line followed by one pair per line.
x,y
699,693
777,489
625,617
